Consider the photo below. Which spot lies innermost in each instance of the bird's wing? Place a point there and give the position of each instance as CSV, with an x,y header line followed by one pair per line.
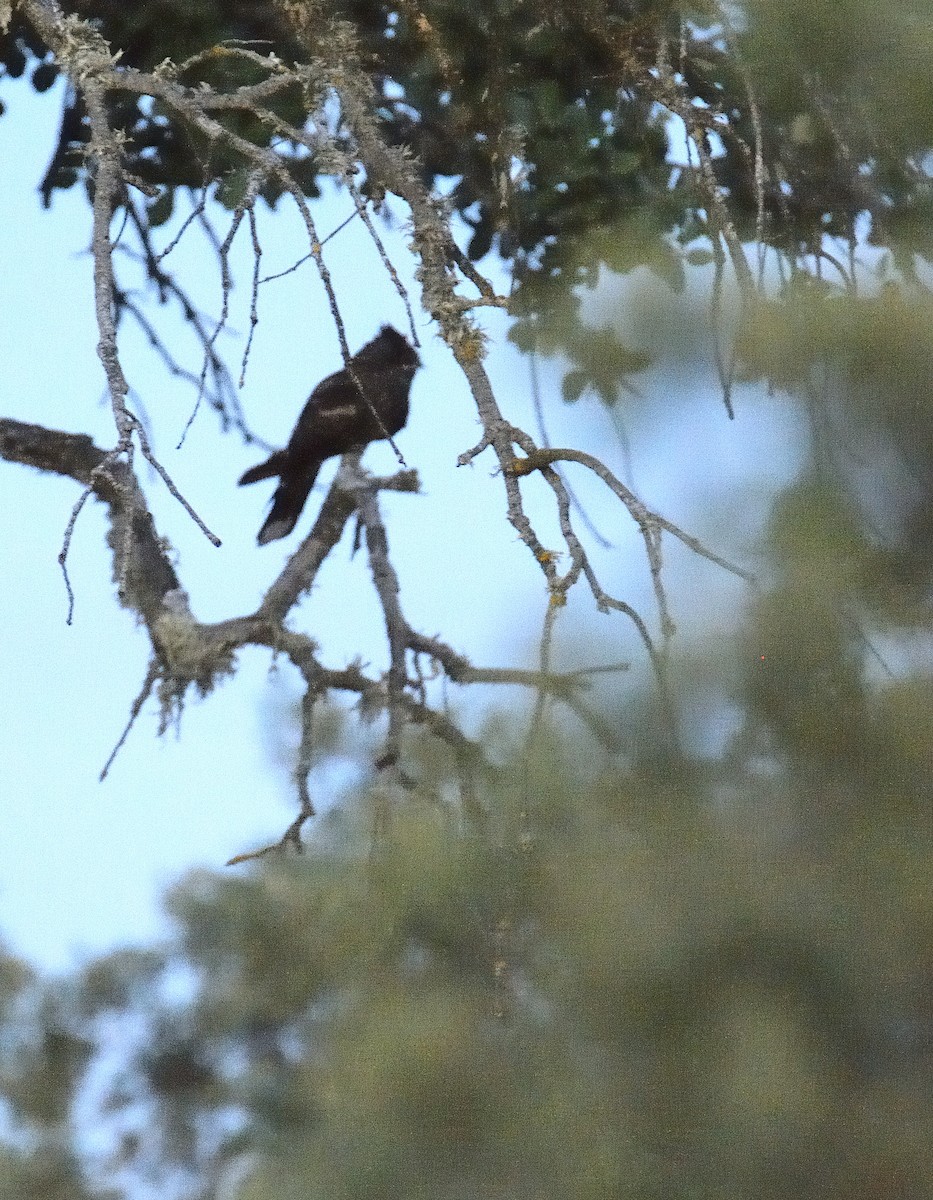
x,y
335,412
334,398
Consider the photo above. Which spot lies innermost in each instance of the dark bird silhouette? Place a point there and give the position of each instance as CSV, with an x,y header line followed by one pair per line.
x,y
336,419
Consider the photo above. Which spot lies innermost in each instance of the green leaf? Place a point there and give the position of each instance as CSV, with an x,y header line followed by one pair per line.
x,y
574,383
699,258
668,265
44,76
161,208
232,188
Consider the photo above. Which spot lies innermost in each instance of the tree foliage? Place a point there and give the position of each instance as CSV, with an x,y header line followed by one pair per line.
x,y
654,992
553,121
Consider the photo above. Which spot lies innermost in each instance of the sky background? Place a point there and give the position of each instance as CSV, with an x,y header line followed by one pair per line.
x,y
82,863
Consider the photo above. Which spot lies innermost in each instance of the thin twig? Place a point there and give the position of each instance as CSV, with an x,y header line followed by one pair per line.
x,y
151,676
66,546
639,511
167,480
361,209
226,285
254,291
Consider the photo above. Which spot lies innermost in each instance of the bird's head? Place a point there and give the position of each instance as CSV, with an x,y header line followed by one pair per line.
x,y
391,349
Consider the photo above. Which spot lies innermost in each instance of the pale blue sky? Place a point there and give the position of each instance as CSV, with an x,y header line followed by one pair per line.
x,y
82,863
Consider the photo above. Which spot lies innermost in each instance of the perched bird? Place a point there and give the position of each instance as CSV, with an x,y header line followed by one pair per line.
x,y
336,419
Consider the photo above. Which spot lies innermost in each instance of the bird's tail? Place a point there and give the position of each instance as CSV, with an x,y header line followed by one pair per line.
x,y
272,466
287,503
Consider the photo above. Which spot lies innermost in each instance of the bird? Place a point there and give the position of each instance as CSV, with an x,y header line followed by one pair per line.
x,y
338,418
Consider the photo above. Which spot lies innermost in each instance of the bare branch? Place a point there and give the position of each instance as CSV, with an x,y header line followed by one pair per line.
x,y
644,516
186,651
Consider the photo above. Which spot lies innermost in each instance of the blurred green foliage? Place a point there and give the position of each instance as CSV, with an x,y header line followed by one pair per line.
x,y
707,980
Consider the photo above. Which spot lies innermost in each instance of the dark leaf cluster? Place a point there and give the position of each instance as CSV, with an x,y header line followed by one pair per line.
x,y
553,123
